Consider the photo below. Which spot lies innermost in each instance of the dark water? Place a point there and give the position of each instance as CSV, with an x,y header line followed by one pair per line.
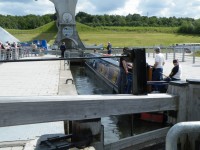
x,y
115,127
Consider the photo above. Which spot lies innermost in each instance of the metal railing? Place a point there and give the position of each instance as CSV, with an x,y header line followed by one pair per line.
x,y
177,130
170,53
180,53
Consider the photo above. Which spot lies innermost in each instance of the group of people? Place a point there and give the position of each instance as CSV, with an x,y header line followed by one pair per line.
x,y
175,73
7,48
126,70
8,45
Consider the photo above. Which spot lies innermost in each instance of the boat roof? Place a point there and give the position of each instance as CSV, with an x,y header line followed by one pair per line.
x,y
112,61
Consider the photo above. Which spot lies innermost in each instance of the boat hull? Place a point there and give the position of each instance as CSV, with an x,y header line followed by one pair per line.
x,y
108,71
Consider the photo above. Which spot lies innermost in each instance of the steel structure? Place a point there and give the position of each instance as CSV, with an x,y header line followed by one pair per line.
x,y
66,24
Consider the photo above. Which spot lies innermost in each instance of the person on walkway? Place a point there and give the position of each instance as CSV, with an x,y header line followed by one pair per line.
x,y
109,48
1,45
63,49
176,71
34,48
158,69
158,65
95,51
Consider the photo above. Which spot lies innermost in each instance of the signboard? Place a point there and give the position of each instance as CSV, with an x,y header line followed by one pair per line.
x,y
68,31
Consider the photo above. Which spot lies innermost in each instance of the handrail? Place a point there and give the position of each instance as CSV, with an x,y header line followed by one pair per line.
x,y
28,110
25,51
177,130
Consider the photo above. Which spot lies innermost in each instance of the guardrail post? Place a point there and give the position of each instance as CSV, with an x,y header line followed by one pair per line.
x,y
183,55
89,129
174,53
194,51
166,55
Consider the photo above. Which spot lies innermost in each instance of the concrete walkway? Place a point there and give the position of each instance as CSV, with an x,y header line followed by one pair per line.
x,y
33,79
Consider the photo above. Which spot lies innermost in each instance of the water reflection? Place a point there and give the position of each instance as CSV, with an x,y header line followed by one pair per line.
x,y
86,84
115,127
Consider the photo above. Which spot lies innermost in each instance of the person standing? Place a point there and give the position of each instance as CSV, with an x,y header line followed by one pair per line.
x,y
176,71
34,48
158,65
125,69
63,49
109,48
1,45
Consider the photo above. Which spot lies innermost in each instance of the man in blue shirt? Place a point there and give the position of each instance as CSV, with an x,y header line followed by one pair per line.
x,y
109,48
62,48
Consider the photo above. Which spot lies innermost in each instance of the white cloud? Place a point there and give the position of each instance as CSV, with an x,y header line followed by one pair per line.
x,y
83,4
131,7
159,8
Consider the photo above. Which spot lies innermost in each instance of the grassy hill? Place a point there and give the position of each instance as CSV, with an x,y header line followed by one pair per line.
x,y
118,36
47,32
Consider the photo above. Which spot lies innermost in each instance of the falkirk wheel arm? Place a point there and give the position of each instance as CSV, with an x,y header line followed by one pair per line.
x,y
66,23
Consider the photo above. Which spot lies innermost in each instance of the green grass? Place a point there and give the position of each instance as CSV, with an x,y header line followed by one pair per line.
x,y
118,36
129,39
141,29
197,54
47,32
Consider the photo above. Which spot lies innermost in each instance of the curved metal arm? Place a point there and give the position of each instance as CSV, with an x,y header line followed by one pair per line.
x,y
177,130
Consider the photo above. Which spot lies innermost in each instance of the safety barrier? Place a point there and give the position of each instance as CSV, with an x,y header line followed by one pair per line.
x,y
179,129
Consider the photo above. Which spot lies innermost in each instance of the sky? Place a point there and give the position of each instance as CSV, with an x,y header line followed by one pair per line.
x,y
159,8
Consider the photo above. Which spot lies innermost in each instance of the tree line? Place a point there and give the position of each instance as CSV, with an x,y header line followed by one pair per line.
x,y
25,22
186,25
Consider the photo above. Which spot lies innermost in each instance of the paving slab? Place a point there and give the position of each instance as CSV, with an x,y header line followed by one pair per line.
x,y
42,78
